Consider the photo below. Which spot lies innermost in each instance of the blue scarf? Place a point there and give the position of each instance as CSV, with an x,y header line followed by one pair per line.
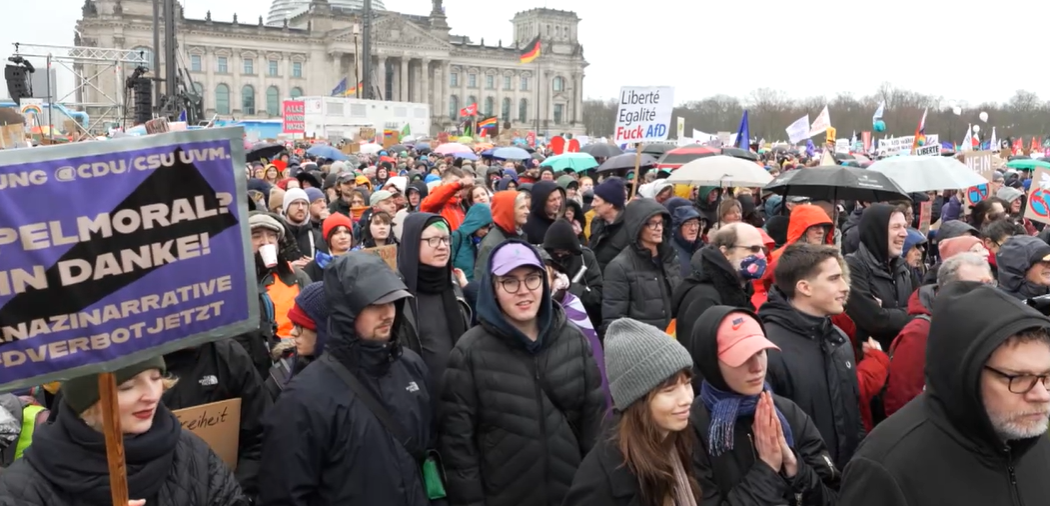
x,y
725,407
322,259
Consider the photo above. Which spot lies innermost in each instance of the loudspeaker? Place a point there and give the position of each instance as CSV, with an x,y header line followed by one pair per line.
x,y
17,83
143,89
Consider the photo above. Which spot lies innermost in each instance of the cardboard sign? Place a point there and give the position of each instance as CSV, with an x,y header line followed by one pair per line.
x,y
1038,208
928,150
981,163
218,424
925,215
367,133
388,253
157,126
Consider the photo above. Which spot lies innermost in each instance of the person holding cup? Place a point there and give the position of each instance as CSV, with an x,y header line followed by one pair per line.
x,y
279,280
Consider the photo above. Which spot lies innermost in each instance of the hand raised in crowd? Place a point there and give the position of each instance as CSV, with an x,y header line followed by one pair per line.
x,y
301,262
461,278
467,181
870,344
324,214
766,428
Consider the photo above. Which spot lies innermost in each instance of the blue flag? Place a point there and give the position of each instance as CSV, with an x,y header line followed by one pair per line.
x,y
182,115
743,134
340,89
810,148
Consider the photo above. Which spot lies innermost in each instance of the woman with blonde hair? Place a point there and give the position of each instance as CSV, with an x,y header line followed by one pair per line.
x,y
166,465
645,459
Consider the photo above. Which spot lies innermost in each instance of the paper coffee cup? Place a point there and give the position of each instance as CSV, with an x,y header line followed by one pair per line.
x,y
268,252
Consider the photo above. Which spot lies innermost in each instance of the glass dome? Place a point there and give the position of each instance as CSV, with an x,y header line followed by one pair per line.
x,y
281,10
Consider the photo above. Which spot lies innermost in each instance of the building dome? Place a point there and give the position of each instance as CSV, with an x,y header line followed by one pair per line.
x,y
287,9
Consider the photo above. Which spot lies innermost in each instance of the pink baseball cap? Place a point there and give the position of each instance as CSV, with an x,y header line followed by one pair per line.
x,y
739,337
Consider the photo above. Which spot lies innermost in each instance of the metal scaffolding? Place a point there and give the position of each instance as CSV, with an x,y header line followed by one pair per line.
x,y
91,66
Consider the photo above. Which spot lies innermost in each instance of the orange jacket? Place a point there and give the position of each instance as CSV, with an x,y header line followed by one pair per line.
x,y
802,217
444,200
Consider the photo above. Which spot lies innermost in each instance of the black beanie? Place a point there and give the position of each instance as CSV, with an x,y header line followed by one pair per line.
x,y
81,393
560,235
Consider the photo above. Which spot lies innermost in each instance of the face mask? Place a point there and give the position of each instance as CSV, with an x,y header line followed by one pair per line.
x,y
752,267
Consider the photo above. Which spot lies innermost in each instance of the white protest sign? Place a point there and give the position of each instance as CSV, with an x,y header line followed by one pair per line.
x,y
644,114
928,150
842,145
902,145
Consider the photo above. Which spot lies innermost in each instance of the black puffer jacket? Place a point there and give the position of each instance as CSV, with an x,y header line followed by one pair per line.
x,y
517,416
816,369
738,477
941,448
536,227
873,275
166,466
637,285
322,445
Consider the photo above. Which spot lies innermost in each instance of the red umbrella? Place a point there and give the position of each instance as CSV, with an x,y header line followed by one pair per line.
x,y
680,156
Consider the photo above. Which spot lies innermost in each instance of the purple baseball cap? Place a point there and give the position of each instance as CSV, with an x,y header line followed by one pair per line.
x,y
512,256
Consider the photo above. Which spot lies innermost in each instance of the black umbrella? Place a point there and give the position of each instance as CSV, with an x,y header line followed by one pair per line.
x,y
397,148
841,157
740,153
626,162
602,150
832,183
266,150
1018,157
657,149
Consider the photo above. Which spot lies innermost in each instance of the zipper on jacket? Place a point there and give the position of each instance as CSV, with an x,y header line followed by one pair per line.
x,y
543,425
1015,494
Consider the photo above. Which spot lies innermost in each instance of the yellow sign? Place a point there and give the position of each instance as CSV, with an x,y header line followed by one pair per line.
x,y
830,135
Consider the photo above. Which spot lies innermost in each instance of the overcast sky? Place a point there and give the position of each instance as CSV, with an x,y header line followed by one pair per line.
x,y
804,48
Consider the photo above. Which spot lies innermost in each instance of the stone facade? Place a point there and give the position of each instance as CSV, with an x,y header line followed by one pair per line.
x,y
244,68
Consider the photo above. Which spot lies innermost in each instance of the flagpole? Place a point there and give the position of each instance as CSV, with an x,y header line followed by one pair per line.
x,y
538,81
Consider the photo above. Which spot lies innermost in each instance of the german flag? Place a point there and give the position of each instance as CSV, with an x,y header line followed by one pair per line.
x,y
532,51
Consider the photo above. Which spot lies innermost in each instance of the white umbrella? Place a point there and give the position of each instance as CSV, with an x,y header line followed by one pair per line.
x,y
916,174
371,148
721,170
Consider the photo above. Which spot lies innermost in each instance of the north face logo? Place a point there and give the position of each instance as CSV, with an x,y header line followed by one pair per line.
x,y
208,381
412,387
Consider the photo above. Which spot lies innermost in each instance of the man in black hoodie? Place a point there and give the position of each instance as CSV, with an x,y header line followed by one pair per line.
x,y
880,282
580,264
977,434
323,443
815,365
548,200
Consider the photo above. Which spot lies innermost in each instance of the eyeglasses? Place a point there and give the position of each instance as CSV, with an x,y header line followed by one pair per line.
x,y
1022,383
691,224
434,242
512,285
753,249
653,225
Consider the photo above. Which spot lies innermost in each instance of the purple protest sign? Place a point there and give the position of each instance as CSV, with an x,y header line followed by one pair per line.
x,y
116,250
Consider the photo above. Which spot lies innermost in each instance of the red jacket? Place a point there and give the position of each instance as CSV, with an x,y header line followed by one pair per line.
x,y
444,200
802,218
907,371
872,369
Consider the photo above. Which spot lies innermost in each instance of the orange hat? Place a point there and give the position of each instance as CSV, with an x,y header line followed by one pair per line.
x,y
739,337
955,245
335,220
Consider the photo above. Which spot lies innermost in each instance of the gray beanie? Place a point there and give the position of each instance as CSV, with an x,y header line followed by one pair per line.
x,y
638,358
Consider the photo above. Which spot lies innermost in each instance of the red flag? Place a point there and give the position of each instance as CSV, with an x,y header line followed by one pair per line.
x,y
470,110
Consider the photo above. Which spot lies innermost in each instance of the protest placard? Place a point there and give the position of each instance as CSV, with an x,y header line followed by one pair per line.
x,y
981,163
1038,203
644,114
293,118
117,250
925,216
388,253
218,424
928,150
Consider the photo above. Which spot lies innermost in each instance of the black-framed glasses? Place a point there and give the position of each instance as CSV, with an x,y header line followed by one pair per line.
x,y
512,285
656,224
1022,383
753,249
434,242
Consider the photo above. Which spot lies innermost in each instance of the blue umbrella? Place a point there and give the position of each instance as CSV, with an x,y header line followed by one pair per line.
x,y
326,151
465,155
422,145
511,153
578,162
487,152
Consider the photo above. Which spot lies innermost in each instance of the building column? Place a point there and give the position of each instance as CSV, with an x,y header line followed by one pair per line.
x,y
579,99
234,65
208,60
381,71
403,79
445,89
424,84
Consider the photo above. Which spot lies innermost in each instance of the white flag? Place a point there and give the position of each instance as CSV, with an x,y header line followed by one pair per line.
x,y
878,112
994,142
799,130
821,124
967,143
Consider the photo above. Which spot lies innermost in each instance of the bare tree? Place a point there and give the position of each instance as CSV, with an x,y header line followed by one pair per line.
x,y
771,111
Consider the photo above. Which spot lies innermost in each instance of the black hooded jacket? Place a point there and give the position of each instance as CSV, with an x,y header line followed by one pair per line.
x,y
220,371
739,477
536,226
608,239
815,367
713,283
322,444
637,284
941,448
589,287
517,416
428,328
874,275
66,466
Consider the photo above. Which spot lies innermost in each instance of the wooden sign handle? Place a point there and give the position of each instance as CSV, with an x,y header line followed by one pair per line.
x,y
637,167
118,477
